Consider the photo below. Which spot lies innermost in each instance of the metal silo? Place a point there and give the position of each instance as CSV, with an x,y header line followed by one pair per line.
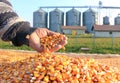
x,y
106,20
73,18
89,19
40,18
117,20
56,20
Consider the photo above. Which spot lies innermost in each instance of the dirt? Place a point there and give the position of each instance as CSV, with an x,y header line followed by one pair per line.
x,y
112,60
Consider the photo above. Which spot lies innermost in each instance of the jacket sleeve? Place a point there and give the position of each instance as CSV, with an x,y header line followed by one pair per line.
x,y
12,27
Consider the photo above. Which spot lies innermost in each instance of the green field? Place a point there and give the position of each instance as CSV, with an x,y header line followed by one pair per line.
x,y
96,45
75,43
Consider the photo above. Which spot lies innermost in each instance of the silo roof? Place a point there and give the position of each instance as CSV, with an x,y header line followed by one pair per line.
x,y
105,16
56,10
40,10
89,10
117,17
73,9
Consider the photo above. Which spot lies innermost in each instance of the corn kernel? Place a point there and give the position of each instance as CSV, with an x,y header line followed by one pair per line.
x,y
55,68
46,79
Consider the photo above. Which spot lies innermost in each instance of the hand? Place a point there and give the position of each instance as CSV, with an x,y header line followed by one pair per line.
x,y
34,40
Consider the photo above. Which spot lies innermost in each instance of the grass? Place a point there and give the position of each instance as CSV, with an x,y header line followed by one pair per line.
x,y
96,45
75,43
8,45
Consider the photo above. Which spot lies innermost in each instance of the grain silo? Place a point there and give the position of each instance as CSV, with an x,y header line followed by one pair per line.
x,y
73,18
56,20
89,19
106,20
117,20
40,18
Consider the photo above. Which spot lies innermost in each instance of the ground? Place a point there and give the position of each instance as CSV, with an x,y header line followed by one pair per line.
x,y
112,60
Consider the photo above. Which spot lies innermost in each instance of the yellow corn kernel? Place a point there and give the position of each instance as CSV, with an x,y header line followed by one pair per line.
x,y
36,74
52,77
46,79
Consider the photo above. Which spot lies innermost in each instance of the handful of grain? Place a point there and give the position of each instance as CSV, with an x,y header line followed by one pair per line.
x,y
49,42
50,68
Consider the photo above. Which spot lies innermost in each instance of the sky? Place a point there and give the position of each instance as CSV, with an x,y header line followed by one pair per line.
x,y
25,8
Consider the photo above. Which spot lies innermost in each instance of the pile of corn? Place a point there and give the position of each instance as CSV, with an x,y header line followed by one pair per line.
x,y
54,68
50,68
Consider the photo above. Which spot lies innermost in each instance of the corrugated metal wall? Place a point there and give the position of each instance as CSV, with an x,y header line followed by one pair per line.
x,y
73,18
106,20
56,20
40,18
89,19
117,20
